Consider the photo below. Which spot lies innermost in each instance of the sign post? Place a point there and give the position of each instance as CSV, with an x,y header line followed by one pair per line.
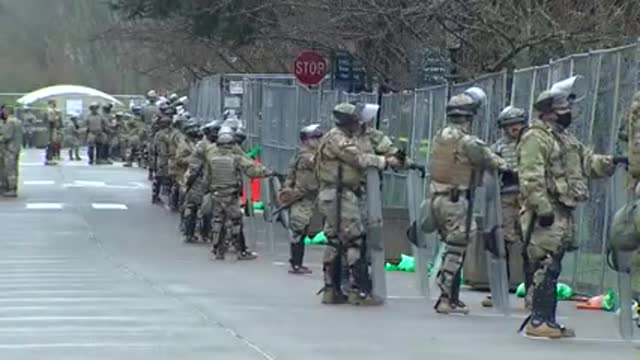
x,y
310,68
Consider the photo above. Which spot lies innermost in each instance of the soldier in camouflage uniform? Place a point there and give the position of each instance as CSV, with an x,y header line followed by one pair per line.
x,y
73,138
198,200
458,160
109,130
134,132
11,138
340,167
184,152
625,248
512,121
301,191
176,136
96,136
116,129
53,119
150,113
220,166
554,168
161,145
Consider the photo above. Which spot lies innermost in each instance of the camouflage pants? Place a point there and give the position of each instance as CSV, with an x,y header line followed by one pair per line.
x,y
226,208
10,167
546,249
305,218
451,219
511,217
349,236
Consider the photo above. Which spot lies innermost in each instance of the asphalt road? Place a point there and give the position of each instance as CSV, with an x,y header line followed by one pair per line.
x,y
90,269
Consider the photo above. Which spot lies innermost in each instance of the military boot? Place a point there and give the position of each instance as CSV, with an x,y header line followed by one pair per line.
x,y
127,164
444,306
543,329
331,296
247,255
10,194
50,163
487,302
359,298
70,155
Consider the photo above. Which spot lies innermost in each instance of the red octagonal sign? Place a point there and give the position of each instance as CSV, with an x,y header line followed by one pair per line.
x,y
310,67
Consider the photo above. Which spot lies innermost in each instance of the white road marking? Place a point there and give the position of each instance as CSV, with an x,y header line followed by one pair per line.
x,y
31,163
44,206
38,182
100,206
89,183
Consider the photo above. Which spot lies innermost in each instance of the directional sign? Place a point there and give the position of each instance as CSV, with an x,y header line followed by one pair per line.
x,y
310,68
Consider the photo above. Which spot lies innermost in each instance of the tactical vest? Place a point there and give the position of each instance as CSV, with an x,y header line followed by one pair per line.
x,y
224,174
448,165
506,149
327,168
94,124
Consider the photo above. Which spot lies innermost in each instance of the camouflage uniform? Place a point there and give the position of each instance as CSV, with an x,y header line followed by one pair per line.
x,y
96,136
116,142
176,137
133,141
11,138
195,192
629,137
73,140
53,119
554,170
184,152
28,126
302,185
220,166
150,113
339,153
161,150
457,161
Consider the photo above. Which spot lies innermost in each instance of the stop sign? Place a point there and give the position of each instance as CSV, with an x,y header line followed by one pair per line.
x,y
310,67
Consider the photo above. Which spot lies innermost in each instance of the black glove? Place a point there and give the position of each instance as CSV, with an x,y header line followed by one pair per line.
x,y
509,177
617,160
546,220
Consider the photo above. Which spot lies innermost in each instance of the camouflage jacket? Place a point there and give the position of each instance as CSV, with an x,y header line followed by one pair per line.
x,y
456,154
183,154
301,175
239,164
554,168
194,175
161,144
339,149
11,134
630,133
505,147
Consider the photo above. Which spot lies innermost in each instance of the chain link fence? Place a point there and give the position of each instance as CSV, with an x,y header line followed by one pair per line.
x,y
274,112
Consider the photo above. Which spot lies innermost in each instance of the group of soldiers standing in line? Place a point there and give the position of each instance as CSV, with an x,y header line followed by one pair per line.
x,y
543,168
109,136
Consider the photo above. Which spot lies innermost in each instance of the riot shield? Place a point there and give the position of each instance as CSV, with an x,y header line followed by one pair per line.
x,y
495,246
415,195
375,241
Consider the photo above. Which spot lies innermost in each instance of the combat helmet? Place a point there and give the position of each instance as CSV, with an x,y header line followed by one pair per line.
x,y
94,105
191,127
466,103
511,115
346,113
226,135
210,130
559,98
312,131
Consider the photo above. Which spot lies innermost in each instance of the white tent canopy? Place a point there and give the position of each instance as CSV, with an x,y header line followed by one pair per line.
x,y
62,90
